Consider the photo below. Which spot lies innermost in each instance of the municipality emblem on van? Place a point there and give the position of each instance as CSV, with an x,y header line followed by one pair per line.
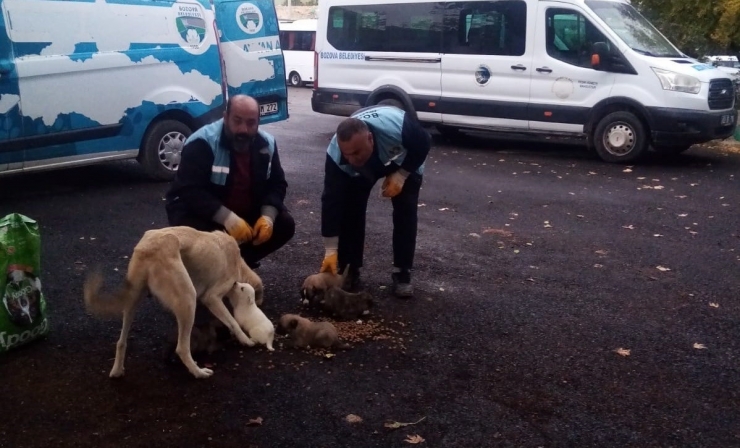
x,y
191,29
249,18
482,75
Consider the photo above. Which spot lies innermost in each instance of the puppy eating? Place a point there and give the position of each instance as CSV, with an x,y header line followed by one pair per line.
x,y
315,285
305,333
250,318
346,305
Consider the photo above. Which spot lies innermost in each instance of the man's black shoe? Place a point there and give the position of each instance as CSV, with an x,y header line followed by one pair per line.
x,y
402,286
352,282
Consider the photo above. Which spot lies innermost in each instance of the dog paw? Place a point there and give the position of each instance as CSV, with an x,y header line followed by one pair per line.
x,y
203,373
116,373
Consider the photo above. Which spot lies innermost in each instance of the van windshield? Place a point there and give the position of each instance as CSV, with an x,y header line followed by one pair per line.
x,y
634,29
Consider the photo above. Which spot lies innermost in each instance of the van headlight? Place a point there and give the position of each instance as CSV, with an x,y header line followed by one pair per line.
x,y
677,82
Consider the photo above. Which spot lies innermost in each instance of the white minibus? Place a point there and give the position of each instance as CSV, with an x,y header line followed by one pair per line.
x,y
596,70
298,40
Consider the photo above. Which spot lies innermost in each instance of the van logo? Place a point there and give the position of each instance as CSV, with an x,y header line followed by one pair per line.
x,y
190,24
249,18
482,75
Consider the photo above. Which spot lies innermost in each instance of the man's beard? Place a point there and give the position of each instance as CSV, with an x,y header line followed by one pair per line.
x,y
241,141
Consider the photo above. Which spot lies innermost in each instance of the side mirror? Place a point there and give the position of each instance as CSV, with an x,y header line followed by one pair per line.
x,y
600,56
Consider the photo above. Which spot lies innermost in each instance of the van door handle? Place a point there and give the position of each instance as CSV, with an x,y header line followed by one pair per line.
x,y
518,67
544,70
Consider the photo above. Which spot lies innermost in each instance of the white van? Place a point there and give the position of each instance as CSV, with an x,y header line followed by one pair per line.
x,y
578,68
83,81
298,41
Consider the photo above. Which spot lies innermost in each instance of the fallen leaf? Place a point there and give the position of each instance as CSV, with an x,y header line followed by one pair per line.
x,y
329,355
626,170
658,187
352,418
443,209
396,425
657,235
441,289
255,421
699,346
580,216
681,196
640,178
516,251
683,215
474,235
597,265
714,305
602,252
623,351
630,227
422,205
662,268
416,438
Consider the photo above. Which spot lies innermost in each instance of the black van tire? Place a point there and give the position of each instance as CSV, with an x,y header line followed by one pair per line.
x,y
295,79
168,136
391,102
620,137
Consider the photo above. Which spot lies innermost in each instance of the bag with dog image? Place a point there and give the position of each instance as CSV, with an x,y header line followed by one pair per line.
x,y
23,309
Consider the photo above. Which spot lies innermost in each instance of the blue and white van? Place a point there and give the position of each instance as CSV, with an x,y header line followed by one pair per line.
x,y
86,81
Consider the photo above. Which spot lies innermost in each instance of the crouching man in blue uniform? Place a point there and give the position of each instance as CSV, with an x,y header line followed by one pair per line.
x,y
375,142
230,178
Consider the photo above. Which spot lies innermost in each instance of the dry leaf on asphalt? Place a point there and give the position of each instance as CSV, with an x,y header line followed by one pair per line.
x,y
623,351
699,346
630,227
474,235
255,421
626,170
714,305
662,268
396,425
416,438
352,418
602,252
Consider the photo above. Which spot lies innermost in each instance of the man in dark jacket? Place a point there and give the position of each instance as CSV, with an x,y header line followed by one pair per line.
x,y
375,142
230,178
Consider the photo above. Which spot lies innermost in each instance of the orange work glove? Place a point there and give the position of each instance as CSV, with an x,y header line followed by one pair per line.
x,y
331,256
393,183
262,230
238,228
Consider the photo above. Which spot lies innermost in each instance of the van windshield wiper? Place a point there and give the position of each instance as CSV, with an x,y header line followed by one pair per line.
x,y
645,52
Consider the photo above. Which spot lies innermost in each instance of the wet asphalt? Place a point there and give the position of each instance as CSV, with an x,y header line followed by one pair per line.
x,y
561,302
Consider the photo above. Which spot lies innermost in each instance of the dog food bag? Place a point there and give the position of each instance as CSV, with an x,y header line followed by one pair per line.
x,y
23,309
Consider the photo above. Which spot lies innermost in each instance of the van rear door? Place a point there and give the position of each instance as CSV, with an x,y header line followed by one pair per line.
x,y
11,148
250,48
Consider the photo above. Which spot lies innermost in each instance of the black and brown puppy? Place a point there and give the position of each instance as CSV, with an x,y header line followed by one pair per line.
x,y
345,305
304,333
314,286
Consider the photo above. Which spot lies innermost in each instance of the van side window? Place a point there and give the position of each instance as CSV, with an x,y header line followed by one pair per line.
x,y
411,27
570,37
490,28
297,40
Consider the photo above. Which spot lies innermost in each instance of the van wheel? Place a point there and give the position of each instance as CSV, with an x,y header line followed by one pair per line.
x,y
160,154
295,79
620,137
391,102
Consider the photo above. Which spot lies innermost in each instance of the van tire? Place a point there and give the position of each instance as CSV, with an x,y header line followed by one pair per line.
x,y
160,154
295,79
391,102
620,137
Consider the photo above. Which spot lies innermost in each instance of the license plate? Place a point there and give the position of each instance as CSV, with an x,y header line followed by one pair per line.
x,y
268,109
726,120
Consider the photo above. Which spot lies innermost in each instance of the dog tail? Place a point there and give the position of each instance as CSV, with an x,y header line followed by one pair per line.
x,y
102,303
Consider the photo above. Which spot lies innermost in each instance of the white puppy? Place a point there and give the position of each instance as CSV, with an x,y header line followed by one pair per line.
x,y
250,318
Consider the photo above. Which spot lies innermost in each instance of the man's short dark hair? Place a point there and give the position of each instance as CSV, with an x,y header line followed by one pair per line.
x,y
349,127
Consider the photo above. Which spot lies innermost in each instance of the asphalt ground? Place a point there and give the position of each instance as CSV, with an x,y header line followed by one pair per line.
x,y
560,302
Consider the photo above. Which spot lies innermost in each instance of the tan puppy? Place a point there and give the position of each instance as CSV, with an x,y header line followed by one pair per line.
x,y
346,305
305,333
250,317
315,285
181,267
